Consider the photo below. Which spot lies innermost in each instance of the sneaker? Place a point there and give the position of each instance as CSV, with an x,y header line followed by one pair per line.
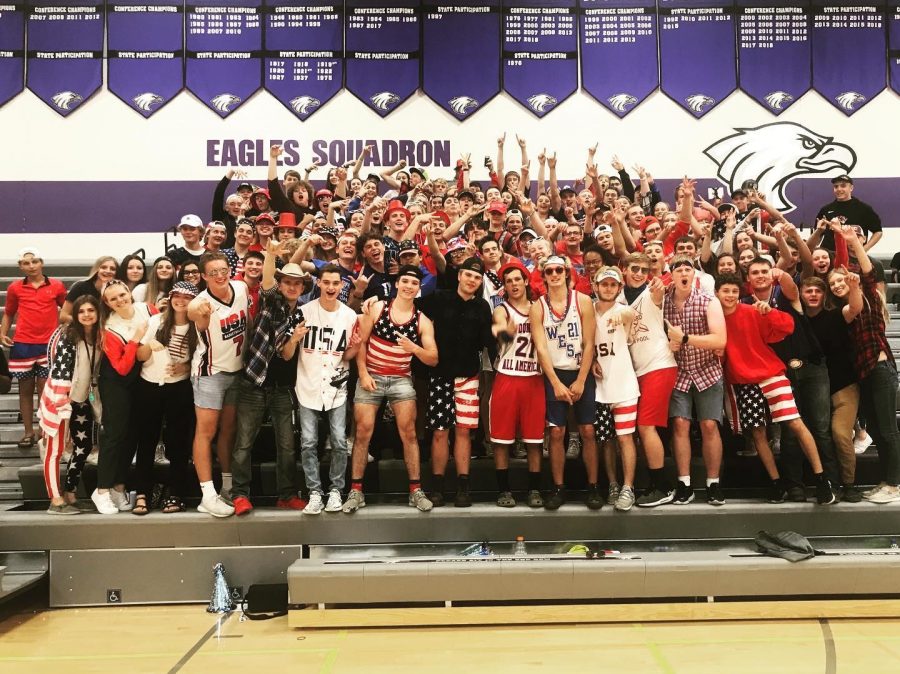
x,y
315,505
556,499
878,487
215,507
683,494
574,448
860,446
520,452
778,493
419,501
535,500
654,497
225,495
104,503
714,495
613,494
463,499
159,458
292,503
824,492
64,509
594,501
506,500
334,502
887,494
121,500
370,458
850,493
796,494
355,501
437,499
242,505
747,451
625,500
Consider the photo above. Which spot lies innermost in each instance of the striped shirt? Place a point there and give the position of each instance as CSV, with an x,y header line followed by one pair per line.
x,y
383,355
697,367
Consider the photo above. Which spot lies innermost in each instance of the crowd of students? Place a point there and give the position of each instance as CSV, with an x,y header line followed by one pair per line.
x,y
521,313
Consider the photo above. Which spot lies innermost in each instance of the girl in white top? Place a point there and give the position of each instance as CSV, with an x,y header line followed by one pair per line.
x,y
156,290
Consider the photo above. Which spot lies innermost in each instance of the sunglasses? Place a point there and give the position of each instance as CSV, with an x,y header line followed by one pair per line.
x,y
218,272
553,271
635,269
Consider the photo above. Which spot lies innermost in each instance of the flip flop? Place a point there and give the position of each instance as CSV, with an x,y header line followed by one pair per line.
x,y
27,441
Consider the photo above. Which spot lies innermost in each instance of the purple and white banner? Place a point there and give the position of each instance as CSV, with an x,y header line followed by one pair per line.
x,y
698,65
65,53
304,54
461,55
144,46
774,54
619,32
849,44
540,52
12,51
224,52
382,52
894,45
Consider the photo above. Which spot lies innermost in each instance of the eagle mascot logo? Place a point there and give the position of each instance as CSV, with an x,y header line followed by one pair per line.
x,y
621,102
774,154
303,105
462,105
384,100
67,100
147,101
778,100
223,102
849,99
541,102
698,103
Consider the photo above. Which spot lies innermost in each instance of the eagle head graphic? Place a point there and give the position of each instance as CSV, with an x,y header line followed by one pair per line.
x,y
621,102
541,102
774,154
147,101
223,102
303,105
698,103
462,105
849,99
384,100
778,100
67,100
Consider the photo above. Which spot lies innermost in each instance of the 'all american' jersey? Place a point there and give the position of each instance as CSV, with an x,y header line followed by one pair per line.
x,y
517,357
220,347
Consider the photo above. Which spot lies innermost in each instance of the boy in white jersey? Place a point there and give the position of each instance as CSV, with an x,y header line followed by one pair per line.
x,y
220,316
517,404
617,385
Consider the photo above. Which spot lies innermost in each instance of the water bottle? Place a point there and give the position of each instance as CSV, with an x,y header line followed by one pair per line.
x,y
519,548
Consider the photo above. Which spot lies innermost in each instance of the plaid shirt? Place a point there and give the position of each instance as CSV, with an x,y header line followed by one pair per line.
x,y
269,332
700,367
867,329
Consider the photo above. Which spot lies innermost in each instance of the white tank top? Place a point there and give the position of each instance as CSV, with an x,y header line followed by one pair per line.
x,y
220,347
517,357
563,333
619,382
649,346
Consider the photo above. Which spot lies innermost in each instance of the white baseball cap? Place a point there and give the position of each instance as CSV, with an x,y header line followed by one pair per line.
x,y
191,220
29,250
609,272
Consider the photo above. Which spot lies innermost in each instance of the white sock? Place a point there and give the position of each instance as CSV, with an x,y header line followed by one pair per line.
x,y
226,482
209,490
711,481
685,480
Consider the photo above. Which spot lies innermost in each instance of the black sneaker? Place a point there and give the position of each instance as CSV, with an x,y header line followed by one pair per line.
x,y
824,492
796,494
714,495
555,499
463,499
851,494
594,500
683,494
777,492
654,497
437,499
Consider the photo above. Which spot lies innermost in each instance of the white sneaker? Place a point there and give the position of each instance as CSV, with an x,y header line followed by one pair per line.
x,y
886,494
860,446
215,507
314,507
121,500
874,490
625,499
160,457
335,503
104,503
370,459
574,448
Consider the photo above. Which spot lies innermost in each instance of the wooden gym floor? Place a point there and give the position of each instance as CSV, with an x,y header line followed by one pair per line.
x,y
187,639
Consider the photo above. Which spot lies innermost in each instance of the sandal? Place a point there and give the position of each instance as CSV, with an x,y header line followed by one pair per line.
x,y
173,505
27,441
506,500
140,505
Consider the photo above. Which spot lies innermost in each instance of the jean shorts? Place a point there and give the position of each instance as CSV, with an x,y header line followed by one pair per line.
x,y
707,404
395,388
215,391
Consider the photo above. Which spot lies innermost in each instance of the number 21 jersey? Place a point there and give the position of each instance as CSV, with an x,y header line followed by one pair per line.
x,y
517,359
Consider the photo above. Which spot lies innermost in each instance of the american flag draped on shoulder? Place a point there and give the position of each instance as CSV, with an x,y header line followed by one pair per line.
x,y
54,406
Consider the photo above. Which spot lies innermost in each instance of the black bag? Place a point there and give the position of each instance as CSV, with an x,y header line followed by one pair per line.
x,y
265,601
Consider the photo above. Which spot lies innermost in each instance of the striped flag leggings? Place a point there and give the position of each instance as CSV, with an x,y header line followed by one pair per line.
x,y
81,427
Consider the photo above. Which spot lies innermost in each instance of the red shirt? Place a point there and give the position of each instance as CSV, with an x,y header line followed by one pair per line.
x,y
37,309
748,357
252,293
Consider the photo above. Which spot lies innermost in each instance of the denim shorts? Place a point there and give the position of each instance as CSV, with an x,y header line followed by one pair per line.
x,y
707,404
395,388
215,391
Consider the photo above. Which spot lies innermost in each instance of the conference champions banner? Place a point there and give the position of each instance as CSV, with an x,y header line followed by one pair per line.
x,y
619,32
774,53
224,52
304,46
894,46
144,47
849,44
12,51
698,67
461,55
65,53
540,52
382,52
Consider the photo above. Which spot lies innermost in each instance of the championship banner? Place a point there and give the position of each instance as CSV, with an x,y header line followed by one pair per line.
x,y
304,47
698,67
144,46
894,45
540,52
461,55
774,57
12,51
382,52
849,43
65,53
619,32
224,52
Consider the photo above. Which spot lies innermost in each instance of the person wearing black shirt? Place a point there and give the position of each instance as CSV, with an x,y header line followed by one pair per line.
x,y
850,211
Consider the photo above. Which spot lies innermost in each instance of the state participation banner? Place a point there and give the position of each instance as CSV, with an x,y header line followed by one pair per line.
x,y
382,51
223,39
619,65
304,47
698,65
540,52
774,57
65,53
461,54
144,47
12,50
893,45
849,44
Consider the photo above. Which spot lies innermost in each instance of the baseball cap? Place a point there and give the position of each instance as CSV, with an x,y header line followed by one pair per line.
x,y
515,212
456,243
216,223
602,229
843,178
608,272
324,193
184,288
443,216
647,221
530,232
245,186
261,190
407,246
418,171
191,220
567,188
330,231
466,194
472,264
738,193
409,270
509,266
496,207
29,250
